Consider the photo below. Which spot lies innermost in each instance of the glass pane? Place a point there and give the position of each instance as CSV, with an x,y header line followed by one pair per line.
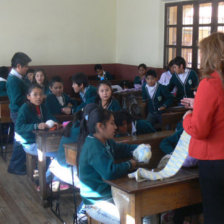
x,y
186,53
171,54
172,36
221,12
203,32
221,29
205,13
172,15
199,59
187,34
188,12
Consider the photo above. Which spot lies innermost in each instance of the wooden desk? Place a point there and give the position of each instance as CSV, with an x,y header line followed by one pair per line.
x,y
71,153
5,112
136,200
170,119
153,139
47,141
64,117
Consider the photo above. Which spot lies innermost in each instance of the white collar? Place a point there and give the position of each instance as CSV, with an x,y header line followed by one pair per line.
x,y
2,79
15,73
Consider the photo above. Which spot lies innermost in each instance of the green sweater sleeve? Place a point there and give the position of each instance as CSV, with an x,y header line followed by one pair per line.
x,y
167,96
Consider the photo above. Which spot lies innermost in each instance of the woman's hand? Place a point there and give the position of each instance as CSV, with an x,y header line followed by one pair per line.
x,y
133,164
66,110
188,112
188,103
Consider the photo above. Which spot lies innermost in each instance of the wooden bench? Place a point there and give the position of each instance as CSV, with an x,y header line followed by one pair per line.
x,y
170,119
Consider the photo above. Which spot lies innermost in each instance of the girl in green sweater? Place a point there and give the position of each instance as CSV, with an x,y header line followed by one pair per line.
x,y
98,153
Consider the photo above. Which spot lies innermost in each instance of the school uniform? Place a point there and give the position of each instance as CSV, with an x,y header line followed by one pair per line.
x,y
185,84
28,119
105,76
59,166
46,90
89,96
138,80
17,91
55,104
96,163
156,97
113,105
3,90
143,127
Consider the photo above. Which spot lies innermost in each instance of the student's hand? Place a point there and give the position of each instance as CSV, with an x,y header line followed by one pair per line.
x,y
58,126
133,164
161,108
66,110
188,112
42,126
188,103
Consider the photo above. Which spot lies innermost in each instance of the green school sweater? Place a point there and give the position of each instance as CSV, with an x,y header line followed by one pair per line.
x,y
185,89
96,163
90,96
74,133
3,91
17,91
28,120
161,97
144,127
55,107
113,106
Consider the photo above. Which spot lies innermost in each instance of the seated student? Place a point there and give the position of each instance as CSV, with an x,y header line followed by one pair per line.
x,y
156,96
185,80
101,74
105,98
32,116
29,77
58,102
98,153
4,71
87,93
127,126
140,79
40,78
166,76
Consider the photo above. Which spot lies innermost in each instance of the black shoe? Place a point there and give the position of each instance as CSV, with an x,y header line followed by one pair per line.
x,y
17,172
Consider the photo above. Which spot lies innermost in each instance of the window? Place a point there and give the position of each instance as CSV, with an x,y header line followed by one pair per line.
x,y
186,23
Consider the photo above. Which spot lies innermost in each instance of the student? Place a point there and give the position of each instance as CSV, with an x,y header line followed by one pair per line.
x,y
4,71
16,87
32,116
101,74
140,79
58,102
29,77
17,90
105,98
96,163
87,93
185,80
156,96
166,76
40,77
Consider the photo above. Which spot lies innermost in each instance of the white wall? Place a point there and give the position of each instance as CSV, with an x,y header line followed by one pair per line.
x,y
140,32
58,31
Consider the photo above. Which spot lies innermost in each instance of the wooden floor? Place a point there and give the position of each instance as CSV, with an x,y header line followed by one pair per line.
x,y
20,202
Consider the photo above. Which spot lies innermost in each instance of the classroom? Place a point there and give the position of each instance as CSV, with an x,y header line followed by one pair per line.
x,y
111,111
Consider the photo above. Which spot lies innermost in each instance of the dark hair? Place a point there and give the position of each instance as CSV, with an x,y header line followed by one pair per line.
x,y
98,66
20,58
33,86
171,63
45,76
104,82
88,125
179,61
54,80
143,66
120,116
30,70
4,71
80,78
151,72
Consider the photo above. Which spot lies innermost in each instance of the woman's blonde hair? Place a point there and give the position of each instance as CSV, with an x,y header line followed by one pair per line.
x,y
212,54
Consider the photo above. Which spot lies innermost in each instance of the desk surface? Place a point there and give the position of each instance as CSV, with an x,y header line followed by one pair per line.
x,y
132,186
47,132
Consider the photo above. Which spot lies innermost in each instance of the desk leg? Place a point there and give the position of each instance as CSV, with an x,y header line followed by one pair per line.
x,y
129,211
42,177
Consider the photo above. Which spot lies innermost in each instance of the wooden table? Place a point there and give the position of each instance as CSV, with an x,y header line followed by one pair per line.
x,y
136,200
71,153
64,117
47,141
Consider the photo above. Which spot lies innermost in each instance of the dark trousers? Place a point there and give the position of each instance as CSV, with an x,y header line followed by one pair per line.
x,y
18,159
211,176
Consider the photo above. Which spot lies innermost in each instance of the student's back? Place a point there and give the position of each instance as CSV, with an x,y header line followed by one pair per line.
x,y
3,79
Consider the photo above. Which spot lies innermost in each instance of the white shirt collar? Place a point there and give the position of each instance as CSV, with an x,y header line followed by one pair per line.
x,y
2,79
151,89
15,73
183,76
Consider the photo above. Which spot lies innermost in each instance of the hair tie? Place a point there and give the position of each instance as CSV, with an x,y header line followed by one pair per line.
x,y
86,117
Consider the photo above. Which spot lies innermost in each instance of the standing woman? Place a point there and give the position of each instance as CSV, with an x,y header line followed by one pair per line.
x,y
206,126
